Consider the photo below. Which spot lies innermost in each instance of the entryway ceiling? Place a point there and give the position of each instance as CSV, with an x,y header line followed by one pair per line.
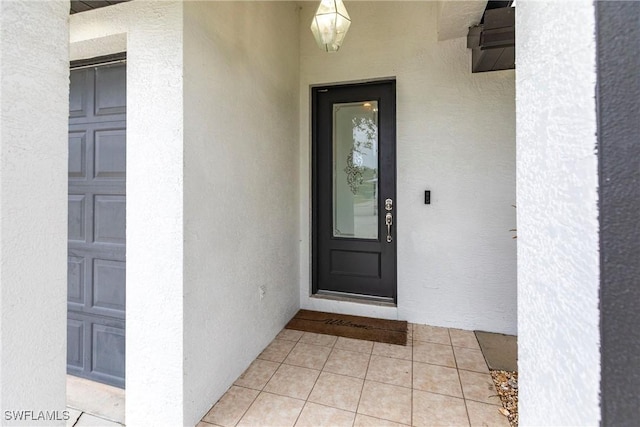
x,y
455,17
84,5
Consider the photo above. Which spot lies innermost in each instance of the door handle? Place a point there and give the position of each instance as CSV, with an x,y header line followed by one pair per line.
x,y
388,220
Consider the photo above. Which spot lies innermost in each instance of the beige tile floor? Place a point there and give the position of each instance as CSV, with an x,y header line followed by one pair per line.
x,y
439,379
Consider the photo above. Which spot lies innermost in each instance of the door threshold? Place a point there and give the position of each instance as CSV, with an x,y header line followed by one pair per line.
x,y
355,298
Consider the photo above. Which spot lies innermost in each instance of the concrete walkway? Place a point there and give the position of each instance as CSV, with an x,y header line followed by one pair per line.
x,y
93,404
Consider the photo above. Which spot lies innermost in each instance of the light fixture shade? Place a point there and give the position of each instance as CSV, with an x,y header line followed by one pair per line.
x,y
330,24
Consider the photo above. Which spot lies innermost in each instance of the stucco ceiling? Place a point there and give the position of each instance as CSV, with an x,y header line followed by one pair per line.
x,y
455,17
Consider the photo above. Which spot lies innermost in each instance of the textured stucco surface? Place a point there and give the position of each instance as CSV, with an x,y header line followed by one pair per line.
x,y
34,95
619,157
91,48
205,182
240,188
455,17
456,138
558,259
154,336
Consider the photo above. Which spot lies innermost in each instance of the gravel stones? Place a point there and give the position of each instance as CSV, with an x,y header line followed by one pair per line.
x,y
506,383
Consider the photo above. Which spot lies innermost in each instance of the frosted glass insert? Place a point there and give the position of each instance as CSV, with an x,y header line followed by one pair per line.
x,y
355,170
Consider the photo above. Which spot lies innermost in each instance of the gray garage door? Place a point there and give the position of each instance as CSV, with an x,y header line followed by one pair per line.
x,y
96,263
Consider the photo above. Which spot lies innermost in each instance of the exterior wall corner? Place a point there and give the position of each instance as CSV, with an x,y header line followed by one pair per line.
x,y
557,204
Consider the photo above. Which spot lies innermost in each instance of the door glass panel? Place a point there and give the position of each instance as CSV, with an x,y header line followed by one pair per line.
x,y
355,170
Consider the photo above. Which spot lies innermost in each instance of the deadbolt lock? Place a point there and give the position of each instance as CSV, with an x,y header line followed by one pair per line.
x,y
388,204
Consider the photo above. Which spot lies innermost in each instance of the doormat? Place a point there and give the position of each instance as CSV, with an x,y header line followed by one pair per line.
x,y
362,328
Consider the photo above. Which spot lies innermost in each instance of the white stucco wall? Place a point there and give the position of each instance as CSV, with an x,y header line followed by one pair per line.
x,y
154,335
240,188
456,138
558,260
34,94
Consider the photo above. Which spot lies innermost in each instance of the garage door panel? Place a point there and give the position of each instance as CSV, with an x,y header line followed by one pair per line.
x,y
77,218
77,155
110,91
75,279
79,93
75,343
97,284
110,154
109,219
108,352
97,224
109,286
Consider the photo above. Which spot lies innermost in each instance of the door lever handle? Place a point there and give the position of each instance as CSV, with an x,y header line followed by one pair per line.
x,y
388,220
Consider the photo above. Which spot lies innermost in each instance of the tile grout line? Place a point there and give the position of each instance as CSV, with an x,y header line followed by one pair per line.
x,y
329,355
285,356
396,358
293,366
252,402
383,383
262,389
448,395
330,407
362,388
442,366
464,399
316,381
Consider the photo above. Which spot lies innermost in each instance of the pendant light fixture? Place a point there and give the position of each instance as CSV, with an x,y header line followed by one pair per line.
x,y
330,24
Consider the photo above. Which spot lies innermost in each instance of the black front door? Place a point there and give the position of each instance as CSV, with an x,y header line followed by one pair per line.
x,y
354,190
